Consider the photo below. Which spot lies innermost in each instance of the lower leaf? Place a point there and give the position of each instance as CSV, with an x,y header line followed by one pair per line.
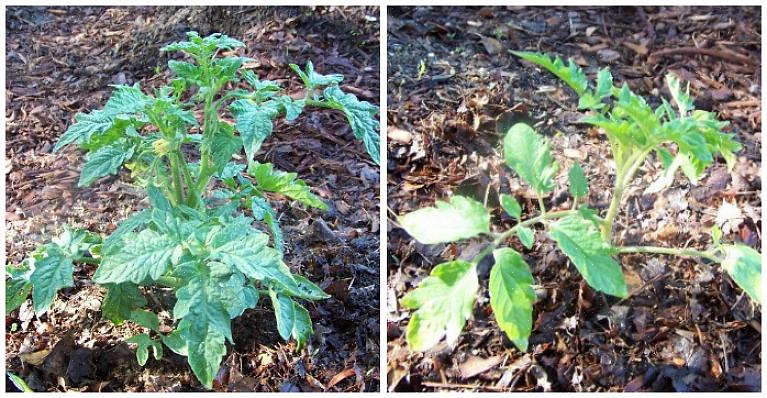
x,y
744,265
444,301
581,241
512,296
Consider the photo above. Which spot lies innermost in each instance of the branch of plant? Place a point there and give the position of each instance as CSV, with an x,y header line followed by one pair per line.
x,y
622,178
501,237
709,254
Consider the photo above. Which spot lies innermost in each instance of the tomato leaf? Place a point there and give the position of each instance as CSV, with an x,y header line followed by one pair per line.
x,y
443,302
529,155
744,265
512,296
582,242
461,218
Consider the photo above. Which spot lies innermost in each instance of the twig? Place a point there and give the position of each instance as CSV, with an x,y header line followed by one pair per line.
x,y
725,55
468,386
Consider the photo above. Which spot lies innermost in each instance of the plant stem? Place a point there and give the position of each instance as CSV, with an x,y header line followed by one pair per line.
x,y
623,177
169,281
178,192
669,250
87,260
500,238
541,205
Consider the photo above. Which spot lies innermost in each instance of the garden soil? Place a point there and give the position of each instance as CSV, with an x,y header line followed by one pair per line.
x,y
452,84
61,61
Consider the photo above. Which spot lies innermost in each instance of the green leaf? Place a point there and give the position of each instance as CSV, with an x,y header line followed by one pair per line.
x,y
362,117
205,323
292,319
254,122
145,256
461,218
636,108
262,210
144,342
127,100
146,319
251,256
744,265
224,145
312,79
303,288
19,382
16,293
235,293
579,185
512,296
120,302
277,181
681,98
85,126
203,48
130,224
52,272
103,162
604,84
529,155
526,236
571,74
582,242
186,70
511,206
291,107
444,301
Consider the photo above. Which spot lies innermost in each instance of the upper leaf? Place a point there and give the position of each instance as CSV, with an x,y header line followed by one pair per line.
x,y
362,117
312,79
254,122
581,241
571,74
681,98
461,218
744,265
105,161
52,271
511,206
512,296
529,155
579,186
444,301
277,181
145,256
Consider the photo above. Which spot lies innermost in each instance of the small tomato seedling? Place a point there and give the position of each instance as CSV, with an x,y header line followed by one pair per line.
x,y
200,244
683,137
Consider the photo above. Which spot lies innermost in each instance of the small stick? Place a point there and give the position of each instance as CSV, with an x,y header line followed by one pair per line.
x,y
725,55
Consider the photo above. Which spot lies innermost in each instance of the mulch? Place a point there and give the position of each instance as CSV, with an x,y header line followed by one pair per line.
x,y
686,327
60,61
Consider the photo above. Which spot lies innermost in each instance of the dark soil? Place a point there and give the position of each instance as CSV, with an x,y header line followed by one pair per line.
x,y
686,326
60,61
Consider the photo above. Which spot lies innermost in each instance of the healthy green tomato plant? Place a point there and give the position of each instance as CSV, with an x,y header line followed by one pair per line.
x,y
200,244
684,138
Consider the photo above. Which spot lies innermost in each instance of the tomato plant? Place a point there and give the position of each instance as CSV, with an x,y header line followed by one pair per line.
x,y
680,135
202,243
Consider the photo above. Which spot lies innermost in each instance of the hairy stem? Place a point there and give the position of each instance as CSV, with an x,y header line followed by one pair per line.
x,y
178,191
622,178
669,250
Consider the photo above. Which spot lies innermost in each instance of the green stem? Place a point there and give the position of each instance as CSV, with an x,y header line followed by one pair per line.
x,y
87,260
169,281
322,104
178,192
670,251
500,238
541,205
622,178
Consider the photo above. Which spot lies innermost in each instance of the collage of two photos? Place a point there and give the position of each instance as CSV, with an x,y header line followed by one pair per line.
x,y
383,199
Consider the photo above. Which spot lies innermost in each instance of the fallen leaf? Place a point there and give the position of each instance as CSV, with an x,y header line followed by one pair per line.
x,y
476,365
